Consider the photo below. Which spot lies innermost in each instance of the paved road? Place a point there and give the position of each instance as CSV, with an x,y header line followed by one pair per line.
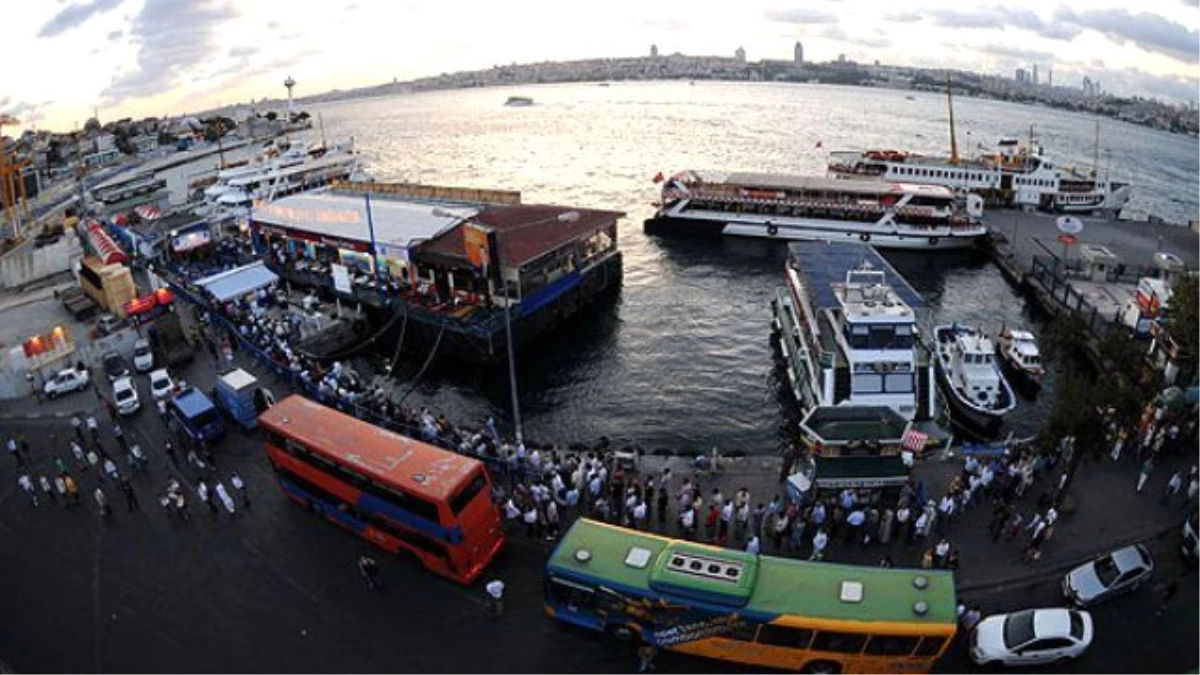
x,y
275,590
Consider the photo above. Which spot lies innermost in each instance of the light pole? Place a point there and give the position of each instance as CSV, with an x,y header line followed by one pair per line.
x,y
512,364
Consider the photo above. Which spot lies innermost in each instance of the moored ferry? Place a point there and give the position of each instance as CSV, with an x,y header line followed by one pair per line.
x,y
781,206
1014,176
847,329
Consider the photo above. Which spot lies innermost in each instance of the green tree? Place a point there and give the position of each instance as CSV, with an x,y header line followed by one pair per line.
x,y
1184,323
1064,339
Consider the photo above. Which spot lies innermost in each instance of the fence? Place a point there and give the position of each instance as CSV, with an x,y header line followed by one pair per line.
x,y
298,384
1052,276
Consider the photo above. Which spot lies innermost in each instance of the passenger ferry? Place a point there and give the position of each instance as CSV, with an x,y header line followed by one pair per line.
x,y
847,329
780,206
1014,176
279,174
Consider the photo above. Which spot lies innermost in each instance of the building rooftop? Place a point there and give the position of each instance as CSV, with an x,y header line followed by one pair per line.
x,y
397,223
524,232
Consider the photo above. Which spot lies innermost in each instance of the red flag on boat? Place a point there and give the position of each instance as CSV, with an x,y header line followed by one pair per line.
x,y
820,144
659,177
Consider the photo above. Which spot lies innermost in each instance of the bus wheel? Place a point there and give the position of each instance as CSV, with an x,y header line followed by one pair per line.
x,y
821,667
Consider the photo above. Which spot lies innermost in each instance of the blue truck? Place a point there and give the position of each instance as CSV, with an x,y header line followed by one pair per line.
x,y
194,415
234,395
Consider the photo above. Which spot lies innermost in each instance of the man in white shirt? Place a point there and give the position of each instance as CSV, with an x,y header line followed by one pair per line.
x,y
495,596
820,539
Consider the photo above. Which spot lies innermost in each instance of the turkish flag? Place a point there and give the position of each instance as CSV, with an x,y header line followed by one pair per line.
x,y
659,177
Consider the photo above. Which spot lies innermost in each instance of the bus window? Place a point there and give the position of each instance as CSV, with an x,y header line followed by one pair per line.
x,y
846,643
891,645
784,636
574,596
930,646
467,494
743,631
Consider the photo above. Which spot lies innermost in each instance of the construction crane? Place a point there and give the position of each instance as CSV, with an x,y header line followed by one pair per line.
x,y
12,183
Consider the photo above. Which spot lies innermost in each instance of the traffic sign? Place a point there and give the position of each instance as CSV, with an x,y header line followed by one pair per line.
x,y
1069,224
1068,239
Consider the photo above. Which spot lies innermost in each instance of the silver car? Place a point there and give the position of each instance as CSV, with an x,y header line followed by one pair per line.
x,y
1118,572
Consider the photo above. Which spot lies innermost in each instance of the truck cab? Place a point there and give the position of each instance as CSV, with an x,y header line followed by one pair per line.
x,y
194,415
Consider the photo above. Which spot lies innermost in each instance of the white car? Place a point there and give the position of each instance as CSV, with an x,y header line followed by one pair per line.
x,y
1031,637
125,395
143,356
161,386
66,381
1121,571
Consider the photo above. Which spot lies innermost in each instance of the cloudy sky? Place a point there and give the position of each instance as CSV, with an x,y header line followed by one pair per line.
x,y
156,57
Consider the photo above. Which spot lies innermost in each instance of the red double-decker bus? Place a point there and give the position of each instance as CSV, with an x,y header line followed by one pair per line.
x,y
398,492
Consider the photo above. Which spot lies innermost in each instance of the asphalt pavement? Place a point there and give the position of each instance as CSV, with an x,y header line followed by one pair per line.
x,y
273,589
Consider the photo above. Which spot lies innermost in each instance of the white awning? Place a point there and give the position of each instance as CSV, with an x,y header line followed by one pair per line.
x,y
238,282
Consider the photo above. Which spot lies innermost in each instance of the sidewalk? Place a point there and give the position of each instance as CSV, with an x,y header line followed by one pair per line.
x,y
1108,514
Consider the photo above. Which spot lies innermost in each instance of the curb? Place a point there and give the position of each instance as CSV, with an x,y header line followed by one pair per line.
x,y
1059,568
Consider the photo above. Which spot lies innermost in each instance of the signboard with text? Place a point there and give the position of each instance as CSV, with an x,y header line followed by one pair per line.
x,y
341,278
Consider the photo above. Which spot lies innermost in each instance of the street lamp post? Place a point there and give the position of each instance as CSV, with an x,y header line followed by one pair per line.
x,y
512,364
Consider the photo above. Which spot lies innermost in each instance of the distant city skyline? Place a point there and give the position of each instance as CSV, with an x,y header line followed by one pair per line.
x,y
138,58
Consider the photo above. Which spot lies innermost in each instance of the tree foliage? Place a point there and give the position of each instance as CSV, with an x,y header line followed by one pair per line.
x,y
1184,324
1064,339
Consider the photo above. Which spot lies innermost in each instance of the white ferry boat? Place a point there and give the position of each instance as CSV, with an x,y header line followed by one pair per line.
x,y
1014,176
780,206
847,329
294,170
975,389
1020,357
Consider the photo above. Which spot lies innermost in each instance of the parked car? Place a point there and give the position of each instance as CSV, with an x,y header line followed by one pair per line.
x,y
126,396
114,366
1031,637
65,382
161,385
143,356
108,324
1118,572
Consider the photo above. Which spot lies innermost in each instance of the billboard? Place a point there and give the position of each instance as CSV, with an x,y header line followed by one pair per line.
x,y
480,244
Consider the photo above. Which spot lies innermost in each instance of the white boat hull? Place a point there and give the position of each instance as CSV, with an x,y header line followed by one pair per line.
x,y
887,237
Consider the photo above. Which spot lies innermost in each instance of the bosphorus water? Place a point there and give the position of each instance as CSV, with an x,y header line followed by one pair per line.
x,y
681,359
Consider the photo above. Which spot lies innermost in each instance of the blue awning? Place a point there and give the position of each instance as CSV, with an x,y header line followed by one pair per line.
x,y
238,282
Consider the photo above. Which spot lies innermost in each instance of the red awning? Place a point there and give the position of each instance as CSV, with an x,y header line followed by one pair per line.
x,y
105,247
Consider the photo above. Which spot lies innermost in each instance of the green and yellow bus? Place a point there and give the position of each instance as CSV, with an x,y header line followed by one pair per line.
x,y
753,609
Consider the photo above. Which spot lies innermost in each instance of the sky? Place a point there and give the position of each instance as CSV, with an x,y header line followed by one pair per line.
x,y
139,58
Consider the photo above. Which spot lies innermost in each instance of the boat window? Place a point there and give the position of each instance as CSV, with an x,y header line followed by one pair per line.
x,y
881,337
868,384
898,383
858,336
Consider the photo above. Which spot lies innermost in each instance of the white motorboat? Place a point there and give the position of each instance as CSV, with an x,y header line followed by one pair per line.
x,y
970,378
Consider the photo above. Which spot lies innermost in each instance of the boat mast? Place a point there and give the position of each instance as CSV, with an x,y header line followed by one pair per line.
x,y
950,105
1096,152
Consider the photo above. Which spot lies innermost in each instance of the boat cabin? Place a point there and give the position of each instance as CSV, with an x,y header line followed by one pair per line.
x,y
1024,351
972,367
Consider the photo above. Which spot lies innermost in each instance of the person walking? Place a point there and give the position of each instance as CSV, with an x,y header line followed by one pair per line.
x,y
753,545
971,618
369,571
495,596
14,451
131,500
27,485
1168,593
77,426
226,500
93,430
205,496
1144,474
72,489
940,553
646,653
240,486
102,502
1173,486
819,541
47,489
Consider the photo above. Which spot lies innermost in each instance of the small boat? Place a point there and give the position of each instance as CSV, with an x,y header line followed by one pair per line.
x,y
1019,356
518,101
971,381
910,97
